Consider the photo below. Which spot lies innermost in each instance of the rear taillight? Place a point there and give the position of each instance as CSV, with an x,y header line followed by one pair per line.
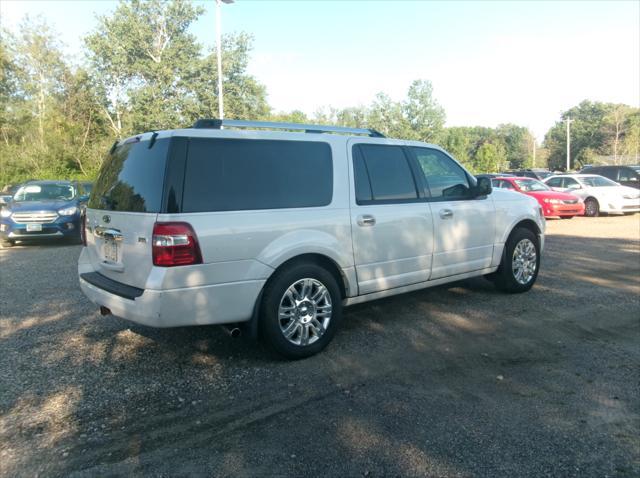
x,y
83,229
175,244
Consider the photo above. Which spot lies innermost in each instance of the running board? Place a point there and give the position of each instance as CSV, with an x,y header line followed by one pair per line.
x,y
413,287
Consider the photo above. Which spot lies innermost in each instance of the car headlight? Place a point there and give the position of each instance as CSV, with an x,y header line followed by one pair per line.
x,y
5,213
69,211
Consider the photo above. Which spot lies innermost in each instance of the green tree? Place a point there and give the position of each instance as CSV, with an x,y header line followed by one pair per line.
x,y
151,73
598,129
489,157
423,113
518,143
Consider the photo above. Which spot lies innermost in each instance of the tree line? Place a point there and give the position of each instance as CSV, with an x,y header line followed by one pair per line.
x,y
142,70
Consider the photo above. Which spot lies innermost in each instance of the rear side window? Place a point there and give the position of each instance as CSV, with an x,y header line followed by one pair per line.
x,y
235,175
446,180
131,178
382,174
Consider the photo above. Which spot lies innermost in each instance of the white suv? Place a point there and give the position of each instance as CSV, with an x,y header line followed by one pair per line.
x,y
278,230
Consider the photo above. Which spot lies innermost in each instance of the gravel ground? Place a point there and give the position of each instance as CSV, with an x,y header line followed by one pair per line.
x,y
453,381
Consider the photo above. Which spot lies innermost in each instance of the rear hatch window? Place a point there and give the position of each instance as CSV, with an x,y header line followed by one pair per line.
x,y
132,178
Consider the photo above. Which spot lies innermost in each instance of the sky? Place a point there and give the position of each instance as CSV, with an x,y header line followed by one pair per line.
x,y
490,62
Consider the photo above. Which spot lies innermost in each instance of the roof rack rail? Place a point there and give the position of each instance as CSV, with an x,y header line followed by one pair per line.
x,y
307,128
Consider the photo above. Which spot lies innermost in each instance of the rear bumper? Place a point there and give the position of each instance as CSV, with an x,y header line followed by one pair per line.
x,y
214,304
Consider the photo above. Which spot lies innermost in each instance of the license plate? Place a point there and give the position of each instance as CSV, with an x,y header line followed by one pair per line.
x,y
111,251
34,227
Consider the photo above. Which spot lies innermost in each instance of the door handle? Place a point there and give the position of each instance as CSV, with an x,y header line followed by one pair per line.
x,y
446,213
366,220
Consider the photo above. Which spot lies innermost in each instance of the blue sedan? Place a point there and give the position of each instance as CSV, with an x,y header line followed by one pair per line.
x,y
43,209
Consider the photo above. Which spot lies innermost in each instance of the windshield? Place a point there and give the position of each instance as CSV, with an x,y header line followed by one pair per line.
x,y
528,185
597,182
45,192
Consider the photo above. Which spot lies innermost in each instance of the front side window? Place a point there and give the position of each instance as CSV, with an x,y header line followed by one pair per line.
x,y
445,178
382,174
530,185
555,182
238,174
571,183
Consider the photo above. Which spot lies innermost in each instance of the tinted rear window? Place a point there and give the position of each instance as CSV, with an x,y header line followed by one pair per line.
x,y
131,179
234,175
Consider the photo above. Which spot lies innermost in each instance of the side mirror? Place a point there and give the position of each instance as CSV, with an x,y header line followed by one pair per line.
x,y
5,199
483,187
83,198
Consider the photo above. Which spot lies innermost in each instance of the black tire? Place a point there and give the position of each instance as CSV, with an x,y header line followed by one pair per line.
x,y
274,293
504,278
591,207
7,243
567,217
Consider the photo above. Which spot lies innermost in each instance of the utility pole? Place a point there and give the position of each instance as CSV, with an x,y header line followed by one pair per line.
x,y
569,121
534,152
219,45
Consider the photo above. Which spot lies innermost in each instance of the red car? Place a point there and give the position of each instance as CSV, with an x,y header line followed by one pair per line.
x,y
554,203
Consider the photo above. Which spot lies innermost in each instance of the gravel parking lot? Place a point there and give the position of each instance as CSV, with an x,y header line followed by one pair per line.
x,y
453,381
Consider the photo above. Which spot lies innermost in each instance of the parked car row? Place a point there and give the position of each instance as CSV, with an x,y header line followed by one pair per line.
x,y
624,175
43,209
570,195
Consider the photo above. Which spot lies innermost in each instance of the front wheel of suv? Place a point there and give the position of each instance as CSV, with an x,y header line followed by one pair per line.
x,y
518,270
7,243
301,310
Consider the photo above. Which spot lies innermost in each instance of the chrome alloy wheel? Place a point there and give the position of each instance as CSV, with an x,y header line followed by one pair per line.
x,y
524,261
304,312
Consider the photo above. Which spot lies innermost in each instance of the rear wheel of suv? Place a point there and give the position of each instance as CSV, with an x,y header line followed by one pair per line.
x,y
301,310
518,270
591,207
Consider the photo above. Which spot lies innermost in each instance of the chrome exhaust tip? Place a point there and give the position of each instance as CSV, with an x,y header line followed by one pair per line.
x,y
233,330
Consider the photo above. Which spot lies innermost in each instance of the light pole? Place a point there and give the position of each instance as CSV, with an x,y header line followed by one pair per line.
x,y
569,121
534,151
219,44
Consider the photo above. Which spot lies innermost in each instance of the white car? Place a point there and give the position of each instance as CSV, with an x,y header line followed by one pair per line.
x,y
598,193
276,231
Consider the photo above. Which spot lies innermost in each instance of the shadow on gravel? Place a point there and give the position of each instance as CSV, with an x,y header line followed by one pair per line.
x,y
451,381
